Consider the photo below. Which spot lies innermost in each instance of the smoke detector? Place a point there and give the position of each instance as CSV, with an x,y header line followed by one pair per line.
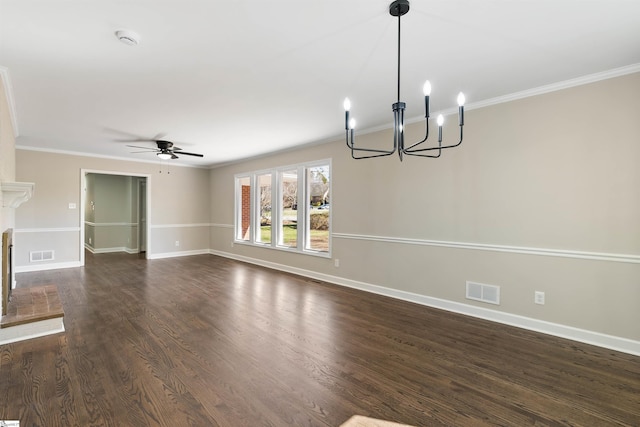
x,y
128,37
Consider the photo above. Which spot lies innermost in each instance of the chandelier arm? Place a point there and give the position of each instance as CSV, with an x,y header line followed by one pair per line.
x,y
351,145
426,136
353,156
418,152
436,148
372,150
433,156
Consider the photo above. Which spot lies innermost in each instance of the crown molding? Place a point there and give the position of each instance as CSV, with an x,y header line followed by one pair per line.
x,y
566,84
8,89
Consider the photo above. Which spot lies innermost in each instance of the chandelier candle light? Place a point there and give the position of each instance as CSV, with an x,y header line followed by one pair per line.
x,y
399,8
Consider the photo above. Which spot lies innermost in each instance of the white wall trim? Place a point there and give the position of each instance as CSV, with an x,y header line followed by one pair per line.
x,y
594,256
48,266
111,224
581,335
31,330
8,89
204,224
47,230
111,250
222,225
178,254
597,256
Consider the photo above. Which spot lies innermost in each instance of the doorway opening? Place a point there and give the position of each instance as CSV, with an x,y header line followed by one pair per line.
x,y
114,213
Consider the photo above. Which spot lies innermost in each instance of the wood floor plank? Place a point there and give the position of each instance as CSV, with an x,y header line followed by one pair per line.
x,y
204,340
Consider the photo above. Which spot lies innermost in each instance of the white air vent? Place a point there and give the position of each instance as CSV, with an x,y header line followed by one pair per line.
x,y
484,293
38,256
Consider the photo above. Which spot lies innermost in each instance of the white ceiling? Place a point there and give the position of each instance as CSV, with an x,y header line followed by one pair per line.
x,y
242,78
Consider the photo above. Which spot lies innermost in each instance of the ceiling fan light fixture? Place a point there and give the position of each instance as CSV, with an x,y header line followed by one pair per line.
x,y
164,156
128,37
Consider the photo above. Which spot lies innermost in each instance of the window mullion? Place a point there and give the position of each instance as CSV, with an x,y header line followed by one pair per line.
x,y
275,208
302,213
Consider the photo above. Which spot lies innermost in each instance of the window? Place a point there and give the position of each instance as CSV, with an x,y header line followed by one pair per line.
x,y
288,224
286,208
317,224
264,206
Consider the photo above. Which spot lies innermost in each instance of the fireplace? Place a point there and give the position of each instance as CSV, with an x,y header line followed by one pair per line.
x,y
7,268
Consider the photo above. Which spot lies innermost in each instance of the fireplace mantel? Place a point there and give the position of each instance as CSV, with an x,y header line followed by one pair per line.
x,y
16,193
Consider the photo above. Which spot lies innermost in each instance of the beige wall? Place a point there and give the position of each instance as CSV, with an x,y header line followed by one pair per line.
x,y
179,204
553,174
7,154
7,139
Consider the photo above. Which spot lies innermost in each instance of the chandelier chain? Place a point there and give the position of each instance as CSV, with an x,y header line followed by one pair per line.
x,y
399,57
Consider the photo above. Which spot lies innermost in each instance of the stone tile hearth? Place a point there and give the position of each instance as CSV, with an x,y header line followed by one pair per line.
x,y
34,304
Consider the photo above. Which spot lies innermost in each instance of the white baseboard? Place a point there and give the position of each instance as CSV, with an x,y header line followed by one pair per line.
x,y
178,254
31,330
112,250
47,266
624,345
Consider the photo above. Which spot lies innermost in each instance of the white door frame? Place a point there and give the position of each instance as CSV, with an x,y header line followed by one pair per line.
x,y
142,231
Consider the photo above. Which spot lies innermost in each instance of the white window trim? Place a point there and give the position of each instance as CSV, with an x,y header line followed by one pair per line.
x,y
237,214
276,200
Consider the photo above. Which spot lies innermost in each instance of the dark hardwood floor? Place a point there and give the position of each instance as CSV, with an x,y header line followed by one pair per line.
x,y
207,341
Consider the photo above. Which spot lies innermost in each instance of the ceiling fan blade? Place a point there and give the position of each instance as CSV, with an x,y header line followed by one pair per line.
x,y
144,151
173,156
143,148
190,154
130,140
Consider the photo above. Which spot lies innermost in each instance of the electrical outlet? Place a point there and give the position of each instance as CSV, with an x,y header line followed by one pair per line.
x,y
177,242
336,262
538,297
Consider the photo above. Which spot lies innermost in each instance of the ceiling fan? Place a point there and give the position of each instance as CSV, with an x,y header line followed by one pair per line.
x,y
166,150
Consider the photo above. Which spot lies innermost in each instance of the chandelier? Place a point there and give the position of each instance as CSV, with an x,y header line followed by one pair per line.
x,y
399,8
